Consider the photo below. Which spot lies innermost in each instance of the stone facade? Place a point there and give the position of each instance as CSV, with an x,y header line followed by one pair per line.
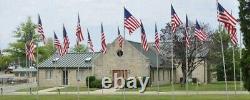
x,y
56,78
133,63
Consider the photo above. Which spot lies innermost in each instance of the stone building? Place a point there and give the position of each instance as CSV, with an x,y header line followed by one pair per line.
x,y
132,60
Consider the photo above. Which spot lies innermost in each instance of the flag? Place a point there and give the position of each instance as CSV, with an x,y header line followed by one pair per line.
x,y
186,36
157,40
90,44
40,29
130,22
144,38
30,49
229,23
104,46
58,44
79,34
199,33
120,38
65,41
175,20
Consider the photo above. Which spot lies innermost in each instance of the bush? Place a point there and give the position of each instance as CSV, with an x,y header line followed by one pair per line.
x,y
93,82
96,84
91,79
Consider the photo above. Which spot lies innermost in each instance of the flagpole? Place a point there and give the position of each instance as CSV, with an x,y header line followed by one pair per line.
x,y
196,46
124,33
37,73
224,66
223,57
172,66
78,81
240,52
186,70
235,85
157,61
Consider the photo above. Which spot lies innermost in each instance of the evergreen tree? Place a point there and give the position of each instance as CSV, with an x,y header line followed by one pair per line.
x,y
244,15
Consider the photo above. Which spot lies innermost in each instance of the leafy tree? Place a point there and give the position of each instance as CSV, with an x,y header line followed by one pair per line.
x,y
197,51
79,49
24,33
4,61
244,15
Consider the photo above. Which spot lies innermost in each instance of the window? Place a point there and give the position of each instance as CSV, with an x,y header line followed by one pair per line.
x,y
33,74
48,74
79,75
163,74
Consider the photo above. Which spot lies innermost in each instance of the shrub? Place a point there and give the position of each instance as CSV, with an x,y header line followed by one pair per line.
x,y
93,82
91,79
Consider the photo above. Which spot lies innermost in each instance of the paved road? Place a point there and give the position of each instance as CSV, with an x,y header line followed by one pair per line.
x,y
12,88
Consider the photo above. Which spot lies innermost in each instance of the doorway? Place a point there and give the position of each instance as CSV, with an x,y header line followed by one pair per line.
x,y
65,77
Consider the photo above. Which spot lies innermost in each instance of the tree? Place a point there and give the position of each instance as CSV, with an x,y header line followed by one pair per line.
x,y
4,61
79,49
244,15
196,54
24,33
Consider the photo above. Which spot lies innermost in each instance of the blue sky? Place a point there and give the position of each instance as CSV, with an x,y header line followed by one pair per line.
x,y
54,13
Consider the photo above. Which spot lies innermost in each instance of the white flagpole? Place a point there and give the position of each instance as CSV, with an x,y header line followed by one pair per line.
x,y
37,88
172,63
186,71
78,81
235,85
124,33
158,88
224,66
223,58
241,83
172,66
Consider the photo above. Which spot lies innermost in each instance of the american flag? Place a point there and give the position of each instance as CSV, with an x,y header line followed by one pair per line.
x,y
79,34
90,44
40,29
120,38
104,46
229,23
30,49
157,40
58,44
175,20
65,41
186,33
199,33
144,38
130,22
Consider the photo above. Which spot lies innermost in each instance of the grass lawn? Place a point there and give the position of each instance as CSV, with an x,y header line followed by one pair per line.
x,y
120,97
74,89
33,89
220,86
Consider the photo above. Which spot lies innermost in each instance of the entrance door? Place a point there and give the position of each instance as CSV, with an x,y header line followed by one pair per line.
x,y
65,77
120,73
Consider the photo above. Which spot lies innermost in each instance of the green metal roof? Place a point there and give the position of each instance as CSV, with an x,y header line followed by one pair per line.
x,y
70,60
21,69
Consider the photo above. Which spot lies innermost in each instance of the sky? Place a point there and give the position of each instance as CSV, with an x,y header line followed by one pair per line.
x,y
55,13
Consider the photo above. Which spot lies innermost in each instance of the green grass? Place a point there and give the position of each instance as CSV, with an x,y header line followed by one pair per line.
x,y
74,89
32,89
220,86
120,97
